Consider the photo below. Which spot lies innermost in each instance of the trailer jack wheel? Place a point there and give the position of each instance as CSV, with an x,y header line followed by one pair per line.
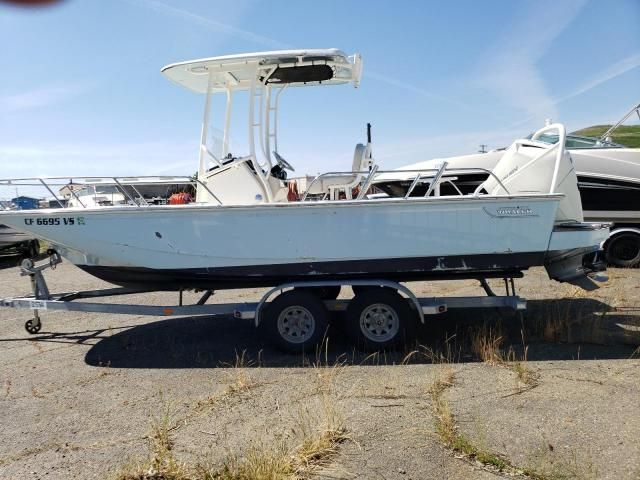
x,y
33,326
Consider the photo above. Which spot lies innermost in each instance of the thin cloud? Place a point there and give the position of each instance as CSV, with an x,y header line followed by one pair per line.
x,y
413,89
420,149
271,42
609,73
212,24
509,69
107,159
39,97
612,71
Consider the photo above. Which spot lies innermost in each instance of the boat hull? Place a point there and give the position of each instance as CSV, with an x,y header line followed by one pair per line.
x,y
205,246
10,238
398,269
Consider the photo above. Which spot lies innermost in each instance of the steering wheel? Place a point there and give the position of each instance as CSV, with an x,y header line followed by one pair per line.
x,y
283,162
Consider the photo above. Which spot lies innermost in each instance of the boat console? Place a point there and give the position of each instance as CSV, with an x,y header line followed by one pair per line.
x,y
260,175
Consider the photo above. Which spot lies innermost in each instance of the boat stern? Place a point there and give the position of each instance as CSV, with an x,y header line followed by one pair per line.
x,y
575,254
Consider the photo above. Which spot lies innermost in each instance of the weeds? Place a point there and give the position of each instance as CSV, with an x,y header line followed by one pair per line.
x,y
315,445
239,382
554,466
313,442
447,429
486,344
161,463
261,462
557,468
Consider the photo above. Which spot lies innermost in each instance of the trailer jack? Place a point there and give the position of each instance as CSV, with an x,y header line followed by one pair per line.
x,y
38,286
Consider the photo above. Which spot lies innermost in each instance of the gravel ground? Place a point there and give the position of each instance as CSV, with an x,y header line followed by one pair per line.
x,y
78,399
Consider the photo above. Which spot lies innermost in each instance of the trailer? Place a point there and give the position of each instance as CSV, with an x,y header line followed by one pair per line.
x,y
294,316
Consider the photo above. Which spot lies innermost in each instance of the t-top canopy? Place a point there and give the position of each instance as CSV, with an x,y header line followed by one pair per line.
x,y
283,67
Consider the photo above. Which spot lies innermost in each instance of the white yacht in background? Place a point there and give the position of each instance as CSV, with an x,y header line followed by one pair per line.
x,y
247,226
608,179
14,240
97,196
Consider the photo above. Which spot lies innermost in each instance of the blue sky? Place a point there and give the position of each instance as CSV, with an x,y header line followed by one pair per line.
x,y
81,92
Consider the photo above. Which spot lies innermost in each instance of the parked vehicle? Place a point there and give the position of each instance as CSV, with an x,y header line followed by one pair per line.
x,y
608,180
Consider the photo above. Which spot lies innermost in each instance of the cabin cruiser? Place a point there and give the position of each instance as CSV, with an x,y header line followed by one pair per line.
x,y
14,240
97,196
248,225
11,239
608,179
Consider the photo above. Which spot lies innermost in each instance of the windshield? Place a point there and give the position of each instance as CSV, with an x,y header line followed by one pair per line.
x,y
577,142
98,190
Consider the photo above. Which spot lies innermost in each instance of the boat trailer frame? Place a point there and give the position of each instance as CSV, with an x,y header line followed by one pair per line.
x,y
43,299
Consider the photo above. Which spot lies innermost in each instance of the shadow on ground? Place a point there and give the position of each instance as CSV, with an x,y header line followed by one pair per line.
x,y
553,330
567,329
10,260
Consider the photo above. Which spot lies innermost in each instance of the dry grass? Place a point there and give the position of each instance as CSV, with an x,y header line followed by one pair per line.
x,y
551,465
318,436
238,380
556,468
161,463
261,462
557,321
450,353
316,440
445,423
312,443
486,343
446,427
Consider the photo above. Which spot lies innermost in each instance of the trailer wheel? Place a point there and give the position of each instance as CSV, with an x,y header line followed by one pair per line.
x,y
296,321
623,250
379,318
32,327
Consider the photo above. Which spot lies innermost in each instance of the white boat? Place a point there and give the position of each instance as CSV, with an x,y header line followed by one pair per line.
x,y
11,239
245,229
608,179
97,196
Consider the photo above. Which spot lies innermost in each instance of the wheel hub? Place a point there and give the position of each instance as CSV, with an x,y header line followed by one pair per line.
x,y
296,324
379,322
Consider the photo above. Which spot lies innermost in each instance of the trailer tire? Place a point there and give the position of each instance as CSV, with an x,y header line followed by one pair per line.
x,y
379,318
296,321
623,249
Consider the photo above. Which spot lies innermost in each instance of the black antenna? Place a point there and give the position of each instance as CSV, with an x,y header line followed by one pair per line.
x,y
368,133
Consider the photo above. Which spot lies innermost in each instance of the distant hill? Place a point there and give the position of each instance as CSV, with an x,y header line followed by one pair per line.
x,y
627,135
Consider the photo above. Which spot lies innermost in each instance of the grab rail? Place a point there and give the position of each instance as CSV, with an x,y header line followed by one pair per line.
x,y
560,145
436,179
371,180
371,177
118,182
